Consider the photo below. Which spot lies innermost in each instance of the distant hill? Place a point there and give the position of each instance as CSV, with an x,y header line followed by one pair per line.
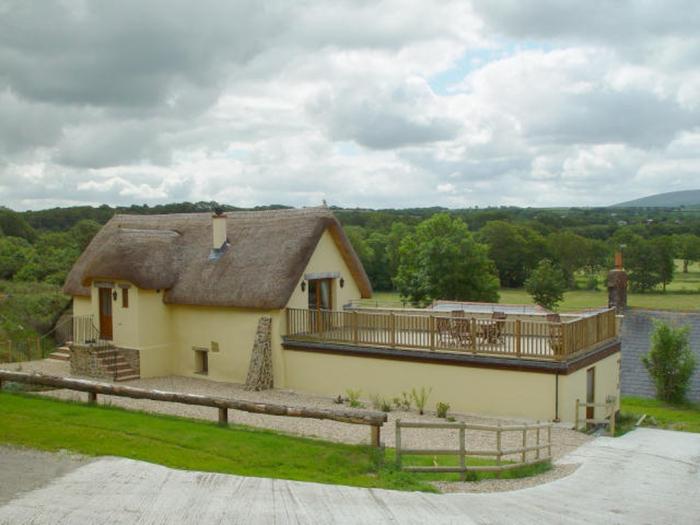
x,y
672,199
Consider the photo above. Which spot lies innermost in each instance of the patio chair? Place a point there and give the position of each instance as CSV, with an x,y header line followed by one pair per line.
x,y
461,332
492,332
444,332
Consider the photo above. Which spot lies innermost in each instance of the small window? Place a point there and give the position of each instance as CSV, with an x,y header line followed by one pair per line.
x,y
201,362
125,298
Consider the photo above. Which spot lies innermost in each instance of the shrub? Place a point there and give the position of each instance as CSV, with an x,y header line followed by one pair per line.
x,y
381,403
592,282
421,398
441,409
354,398
403,402
670,362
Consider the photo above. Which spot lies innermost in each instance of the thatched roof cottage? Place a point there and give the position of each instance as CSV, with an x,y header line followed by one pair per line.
x,y
186,291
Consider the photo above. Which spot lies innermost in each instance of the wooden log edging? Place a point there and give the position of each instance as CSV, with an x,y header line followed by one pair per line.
x,y
373,419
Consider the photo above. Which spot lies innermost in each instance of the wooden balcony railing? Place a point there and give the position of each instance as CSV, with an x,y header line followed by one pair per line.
x,y
533,338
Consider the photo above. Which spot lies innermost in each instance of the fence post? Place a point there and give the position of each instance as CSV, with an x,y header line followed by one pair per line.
x,y
564,342
576,416
462,453
524,453
375,436
223,416
472,327
354,326
92,398
392,329
431,329
611,426
517,337
397,444
498,450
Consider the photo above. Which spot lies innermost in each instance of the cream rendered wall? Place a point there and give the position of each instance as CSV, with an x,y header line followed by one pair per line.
x,y
467,390
573,386
82,306
143,325
155,333
232,328
327,258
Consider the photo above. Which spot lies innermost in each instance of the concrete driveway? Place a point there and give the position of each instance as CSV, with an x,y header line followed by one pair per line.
x,y
647,476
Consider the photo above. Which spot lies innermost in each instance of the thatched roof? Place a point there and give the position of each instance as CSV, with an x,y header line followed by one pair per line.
x,y
268,253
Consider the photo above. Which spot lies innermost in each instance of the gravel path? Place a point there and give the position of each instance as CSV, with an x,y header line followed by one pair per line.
x,y
564,440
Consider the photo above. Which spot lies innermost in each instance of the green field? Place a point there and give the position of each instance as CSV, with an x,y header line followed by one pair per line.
x,y
683,294
53,425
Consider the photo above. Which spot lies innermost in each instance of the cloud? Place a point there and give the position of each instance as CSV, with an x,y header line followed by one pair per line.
x,y
363,103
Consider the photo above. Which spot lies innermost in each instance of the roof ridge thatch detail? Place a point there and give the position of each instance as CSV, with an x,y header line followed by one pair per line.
x,y
268,253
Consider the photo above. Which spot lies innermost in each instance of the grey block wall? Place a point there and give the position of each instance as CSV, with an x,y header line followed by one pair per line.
x,y
637,327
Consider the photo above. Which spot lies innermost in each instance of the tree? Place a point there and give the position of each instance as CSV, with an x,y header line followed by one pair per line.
x,y
514,248
378,266
687,248
357,237
546,284
14,254
396,235
568,250
83,232
442,260
670,362
650,263
664,249
14,225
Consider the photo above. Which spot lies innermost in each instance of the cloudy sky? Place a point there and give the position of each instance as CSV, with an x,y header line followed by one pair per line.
x,y
392,103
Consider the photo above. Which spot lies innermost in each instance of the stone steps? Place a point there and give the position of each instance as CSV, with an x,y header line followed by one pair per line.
x,y
115,363
60,354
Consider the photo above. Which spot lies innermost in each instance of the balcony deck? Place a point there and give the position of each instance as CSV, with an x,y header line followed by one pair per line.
x,y
529,337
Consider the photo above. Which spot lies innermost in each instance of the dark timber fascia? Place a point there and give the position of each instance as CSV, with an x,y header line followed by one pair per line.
x,y
454,359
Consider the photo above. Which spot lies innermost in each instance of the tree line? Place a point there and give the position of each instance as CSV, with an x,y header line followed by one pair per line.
x,y
424,253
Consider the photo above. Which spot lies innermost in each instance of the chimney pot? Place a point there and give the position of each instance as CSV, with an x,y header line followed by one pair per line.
x,y
218,226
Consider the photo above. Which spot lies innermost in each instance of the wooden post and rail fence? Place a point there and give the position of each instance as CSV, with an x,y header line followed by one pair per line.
x,y
462,452
608,420
25,349
373,419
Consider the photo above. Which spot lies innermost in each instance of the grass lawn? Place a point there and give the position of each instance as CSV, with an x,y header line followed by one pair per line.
x,y
581,299
683,294
194,445
672,417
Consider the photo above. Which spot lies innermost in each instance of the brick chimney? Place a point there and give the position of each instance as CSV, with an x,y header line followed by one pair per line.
x,y
218,227
617,284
